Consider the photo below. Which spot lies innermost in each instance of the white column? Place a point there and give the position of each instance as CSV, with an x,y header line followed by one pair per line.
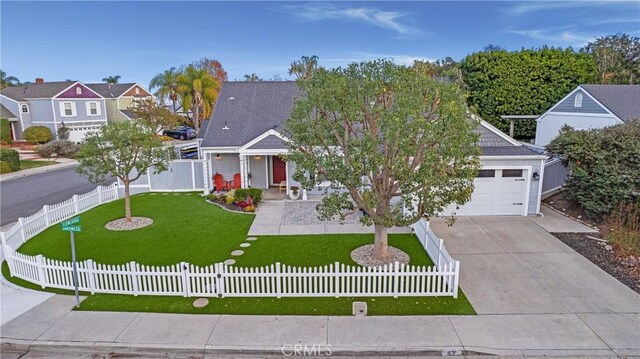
x,y
243,172
205,173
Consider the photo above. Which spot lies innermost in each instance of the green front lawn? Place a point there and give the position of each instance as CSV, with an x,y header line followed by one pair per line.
x,y
188,229
27,164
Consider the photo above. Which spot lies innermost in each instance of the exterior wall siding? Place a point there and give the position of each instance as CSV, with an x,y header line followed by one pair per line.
x,y
113,113
81,111
550,124
227,165
588,105
71,93
258,170
39,111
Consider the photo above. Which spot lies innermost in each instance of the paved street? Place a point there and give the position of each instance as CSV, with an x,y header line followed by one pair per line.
x,y
23,196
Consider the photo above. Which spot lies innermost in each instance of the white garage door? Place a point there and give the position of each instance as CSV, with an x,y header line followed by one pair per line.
x,y
77,133
498,192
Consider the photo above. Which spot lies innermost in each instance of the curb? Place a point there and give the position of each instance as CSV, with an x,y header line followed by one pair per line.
x,y
25,346
36,171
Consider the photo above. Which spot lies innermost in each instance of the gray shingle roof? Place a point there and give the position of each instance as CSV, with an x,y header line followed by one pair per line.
x,y
203,129
269,142
250,109
129,113
622,100
44,90
5,113
110,90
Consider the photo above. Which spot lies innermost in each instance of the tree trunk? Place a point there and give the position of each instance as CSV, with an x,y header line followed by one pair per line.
x,y
196,117
127,202
380,245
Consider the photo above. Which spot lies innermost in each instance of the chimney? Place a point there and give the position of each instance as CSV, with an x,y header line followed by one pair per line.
x,y
39,80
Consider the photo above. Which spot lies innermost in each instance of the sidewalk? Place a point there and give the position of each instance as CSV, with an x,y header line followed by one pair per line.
x,y
52,326
62,163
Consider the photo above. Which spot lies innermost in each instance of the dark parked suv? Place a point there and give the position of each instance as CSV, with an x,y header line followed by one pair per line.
x,y
181,133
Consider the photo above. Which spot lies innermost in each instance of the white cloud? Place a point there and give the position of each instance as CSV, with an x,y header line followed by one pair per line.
x,y
524,7
390,20
568,37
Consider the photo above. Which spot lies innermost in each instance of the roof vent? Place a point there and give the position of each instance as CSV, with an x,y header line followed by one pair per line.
x,y
232,98
225,126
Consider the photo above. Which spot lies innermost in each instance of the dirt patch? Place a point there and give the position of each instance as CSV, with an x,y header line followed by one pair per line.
x,y
605,256
121,224
363,256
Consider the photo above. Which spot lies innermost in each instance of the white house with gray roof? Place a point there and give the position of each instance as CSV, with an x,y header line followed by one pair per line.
x,y
587,107
245,136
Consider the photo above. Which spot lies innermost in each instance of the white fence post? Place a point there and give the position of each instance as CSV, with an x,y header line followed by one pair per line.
x,y
219,270
278,281
396,269
76,206
456,278
185,279
205,175
133,270
91,274
42,276
440,244
45,211
337,278
99,191
22,233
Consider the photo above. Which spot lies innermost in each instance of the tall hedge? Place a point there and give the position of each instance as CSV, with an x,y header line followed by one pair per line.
x,y
5,131
11,157
526,82
605,166
37,134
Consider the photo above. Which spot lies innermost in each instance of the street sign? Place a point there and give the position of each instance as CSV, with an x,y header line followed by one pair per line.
x,y
72,228
69,222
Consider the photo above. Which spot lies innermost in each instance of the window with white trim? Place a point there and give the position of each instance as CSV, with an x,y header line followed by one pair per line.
x,y
93,109
67,109
25,109
137,91
577,102
78,90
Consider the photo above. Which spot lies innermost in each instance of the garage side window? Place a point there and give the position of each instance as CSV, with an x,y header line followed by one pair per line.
x,y
67,109
511,173
486,173
25,109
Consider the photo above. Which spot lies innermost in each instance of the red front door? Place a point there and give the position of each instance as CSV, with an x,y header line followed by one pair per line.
x,y
279,170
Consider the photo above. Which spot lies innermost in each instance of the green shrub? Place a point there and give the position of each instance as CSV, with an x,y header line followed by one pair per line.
x,y
605,166
5,132
241,194
66,149
11,157
37,134
63,133
5,167
624,222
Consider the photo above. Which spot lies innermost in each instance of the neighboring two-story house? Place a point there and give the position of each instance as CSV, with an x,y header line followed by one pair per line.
x,y
121,98
78,106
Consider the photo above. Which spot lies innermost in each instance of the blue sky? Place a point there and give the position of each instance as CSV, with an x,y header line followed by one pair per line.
x,y
87,41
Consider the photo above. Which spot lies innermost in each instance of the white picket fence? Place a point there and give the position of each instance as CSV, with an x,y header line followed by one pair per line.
x,y
180,176
220,280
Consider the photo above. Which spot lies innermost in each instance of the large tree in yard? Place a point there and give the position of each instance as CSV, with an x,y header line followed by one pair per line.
x,y
401,144
198,91
167,84
155,116
124,149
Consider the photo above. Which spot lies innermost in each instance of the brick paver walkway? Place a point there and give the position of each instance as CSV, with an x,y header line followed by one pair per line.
x,y
304,212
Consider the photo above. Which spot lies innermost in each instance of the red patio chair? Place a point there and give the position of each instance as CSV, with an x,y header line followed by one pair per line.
x,y
237,182
220,183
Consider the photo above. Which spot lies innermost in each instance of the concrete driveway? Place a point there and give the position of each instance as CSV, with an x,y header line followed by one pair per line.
x,y
512,265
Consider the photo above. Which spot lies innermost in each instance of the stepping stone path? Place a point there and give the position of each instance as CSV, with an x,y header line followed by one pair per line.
x,y
200,302
153,194
245,245
252,238
230,262
237,252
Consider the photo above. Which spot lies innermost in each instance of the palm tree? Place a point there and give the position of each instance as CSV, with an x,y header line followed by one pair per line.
x,y
7,81
252,78
167,85
198,91
111,79
305,67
